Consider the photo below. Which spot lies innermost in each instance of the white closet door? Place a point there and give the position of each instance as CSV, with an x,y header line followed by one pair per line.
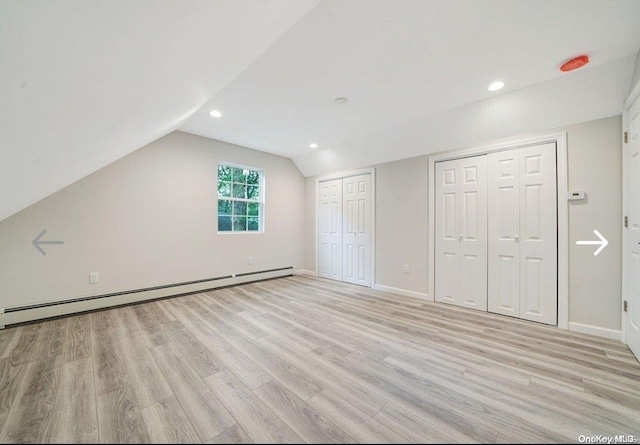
x,y
504,232
330,229
538,234
461,232
357,229
447,285
473,232
632,247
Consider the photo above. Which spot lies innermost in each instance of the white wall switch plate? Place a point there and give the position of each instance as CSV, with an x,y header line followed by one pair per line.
x,y
93,278
575,196
406,269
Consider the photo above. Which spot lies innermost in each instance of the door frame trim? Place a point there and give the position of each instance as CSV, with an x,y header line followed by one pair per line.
x,y
342,175
560,139
634,95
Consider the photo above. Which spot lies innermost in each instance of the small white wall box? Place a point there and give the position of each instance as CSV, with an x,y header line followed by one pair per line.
x,y
575,196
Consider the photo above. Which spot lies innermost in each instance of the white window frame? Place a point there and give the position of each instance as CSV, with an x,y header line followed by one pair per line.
x,y
262,201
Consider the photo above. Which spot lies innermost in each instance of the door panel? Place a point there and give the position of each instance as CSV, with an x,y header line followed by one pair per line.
x,y
504,228
632,248
538,234
330,230
447,244
461,232
473,232
357,229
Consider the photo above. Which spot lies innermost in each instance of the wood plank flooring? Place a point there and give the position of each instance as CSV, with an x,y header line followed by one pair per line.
x,y
300,359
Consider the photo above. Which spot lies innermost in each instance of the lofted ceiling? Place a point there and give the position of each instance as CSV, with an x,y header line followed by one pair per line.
x,y
83,84
403,61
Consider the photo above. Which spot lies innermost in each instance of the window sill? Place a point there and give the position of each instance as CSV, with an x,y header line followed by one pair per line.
x,y
242,233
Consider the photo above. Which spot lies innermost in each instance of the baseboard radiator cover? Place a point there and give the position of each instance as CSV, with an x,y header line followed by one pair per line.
x,y
23,314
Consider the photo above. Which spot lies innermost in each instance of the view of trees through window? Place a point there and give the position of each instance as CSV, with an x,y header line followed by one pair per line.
x,y
239,199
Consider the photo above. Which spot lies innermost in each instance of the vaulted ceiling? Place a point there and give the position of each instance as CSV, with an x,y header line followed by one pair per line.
x,y
400,62
83,84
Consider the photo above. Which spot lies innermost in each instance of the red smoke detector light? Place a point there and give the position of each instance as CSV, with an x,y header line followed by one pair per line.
x,y
575,63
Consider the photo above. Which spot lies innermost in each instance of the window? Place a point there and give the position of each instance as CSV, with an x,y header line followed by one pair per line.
x,y
240,198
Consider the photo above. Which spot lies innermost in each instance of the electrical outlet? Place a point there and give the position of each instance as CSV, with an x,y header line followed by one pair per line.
x,y
405,269
250,260
93,278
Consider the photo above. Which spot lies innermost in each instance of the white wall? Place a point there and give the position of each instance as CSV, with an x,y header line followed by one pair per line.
x,y
595,166
309,224
146,220
635,77
594,151
402,224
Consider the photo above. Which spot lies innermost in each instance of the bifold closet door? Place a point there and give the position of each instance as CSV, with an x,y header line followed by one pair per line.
x,y
356,236
504,232
330,230
523,277
461,232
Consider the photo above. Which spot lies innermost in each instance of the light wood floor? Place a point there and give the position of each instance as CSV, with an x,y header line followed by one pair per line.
x,y
307,360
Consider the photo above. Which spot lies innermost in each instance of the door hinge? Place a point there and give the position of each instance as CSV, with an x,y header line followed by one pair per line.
x,y
625,306
626,222
626,137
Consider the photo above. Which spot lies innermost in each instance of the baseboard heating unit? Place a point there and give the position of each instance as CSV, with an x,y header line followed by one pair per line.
x,y
22,314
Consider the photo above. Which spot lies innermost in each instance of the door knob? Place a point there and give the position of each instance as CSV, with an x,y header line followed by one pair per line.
x,y
516,238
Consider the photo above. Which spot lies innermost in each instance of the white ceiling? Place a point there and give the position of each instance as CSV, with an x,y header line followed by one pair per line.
x,y
402,61
584,96
83,84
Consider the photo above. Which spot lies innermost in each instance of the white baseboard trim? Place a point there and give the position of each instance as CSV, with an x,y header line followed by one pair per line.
x,y
9,316
595,330
310,273
403,292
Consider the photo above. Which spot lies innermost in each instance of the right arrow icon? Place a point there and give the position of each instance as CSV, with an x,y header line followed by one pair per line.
x,y
602,243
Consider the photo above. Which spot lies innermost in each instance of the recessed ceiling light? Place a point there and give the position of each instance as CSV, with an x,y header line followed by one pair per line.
x,y
215,113
495,86
314,145
341,100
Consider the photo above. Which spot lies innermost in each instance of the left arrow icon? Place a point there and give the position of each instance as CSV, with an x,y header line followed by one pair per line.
x,y
37,242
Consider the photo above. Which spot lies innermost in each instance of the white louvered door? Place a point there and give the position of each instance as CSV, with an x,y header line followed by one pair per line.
x,y
461,232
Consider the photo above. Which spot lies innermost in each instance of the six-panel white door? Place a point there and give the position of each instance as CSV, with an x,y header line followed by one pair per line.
x,y
330,229
538,234
447,277
632,247
504,232
461,232
356,235
523,267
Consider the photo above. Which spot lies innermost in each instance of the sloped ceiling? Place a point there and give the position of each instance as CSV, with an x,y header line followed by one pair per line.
x,y
84,83
403,62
